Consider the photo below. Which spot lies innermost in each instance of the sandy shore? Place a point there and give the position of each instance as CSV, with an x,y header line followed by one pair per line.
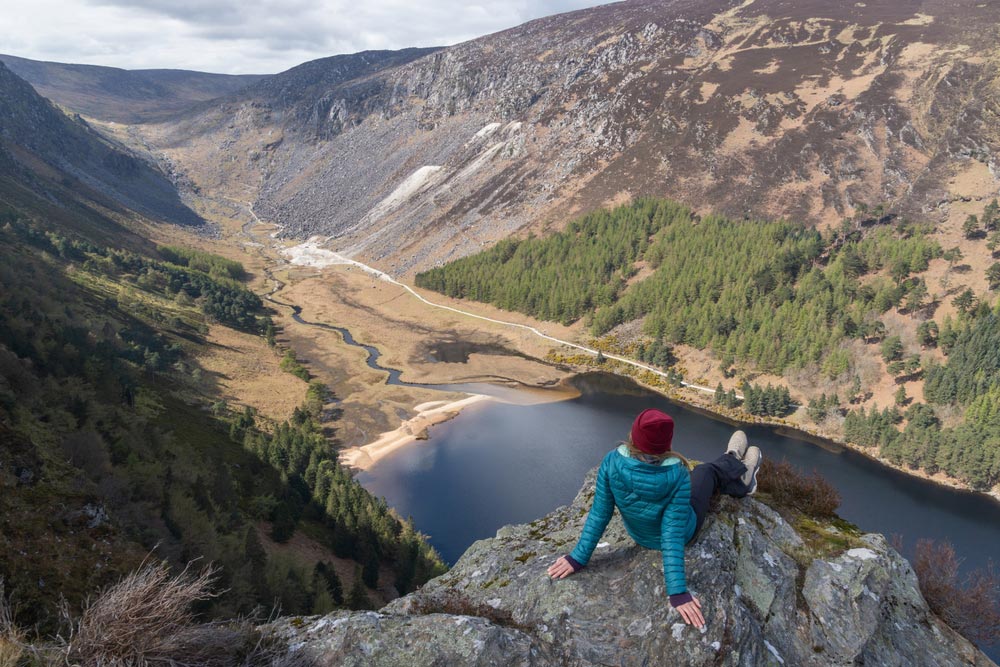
x,y
428,414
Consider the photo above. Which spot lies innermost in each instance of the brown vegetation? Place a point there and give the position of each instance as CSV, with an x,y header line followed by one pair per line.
x,y
11,637
970,605
146,619
789,488
456,603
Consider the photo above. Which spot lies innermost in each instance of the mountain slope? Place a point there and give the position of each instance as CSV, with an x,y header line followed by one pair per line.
x,y
116,436
53,159
124,96
760,108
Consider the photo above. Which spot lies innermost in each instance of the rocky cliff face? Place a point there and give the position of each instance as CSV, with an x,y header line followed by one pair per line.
x,y
771,594
766,107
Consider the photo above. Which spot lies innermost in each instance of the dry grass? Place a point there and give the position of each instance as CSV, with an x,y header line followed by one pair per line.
x,y
146,617
144,620
788,487
11,638
972,605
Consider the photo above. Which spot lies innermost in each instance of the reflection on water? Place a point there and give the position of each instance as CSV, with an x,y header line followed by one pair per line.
x,y
498,464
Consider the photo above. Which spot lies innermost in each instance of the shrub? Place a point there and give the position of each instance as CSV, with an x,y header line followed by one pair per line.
x,y
144,620
790,488
972,605
291,364
144,617
11,637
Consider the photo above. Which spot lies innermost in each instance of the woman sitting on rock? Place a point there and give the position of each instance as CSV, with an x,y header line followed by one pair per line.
x,y
662,506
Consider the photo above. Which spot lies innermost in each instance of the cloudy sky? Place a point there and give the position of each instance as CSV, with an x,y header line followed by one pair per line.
x,y
248,36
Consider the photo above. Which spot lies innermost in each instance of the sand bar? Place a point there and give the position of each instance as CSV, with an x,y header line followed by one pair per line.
x,y
428,414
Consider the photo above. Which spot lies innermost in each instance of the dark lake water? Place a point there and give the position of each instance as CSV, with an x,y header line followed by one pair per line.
x,y
498,464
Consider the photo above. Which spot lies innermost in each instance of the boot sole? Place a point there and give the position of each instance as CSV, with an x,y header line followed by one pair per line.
x,y
753,477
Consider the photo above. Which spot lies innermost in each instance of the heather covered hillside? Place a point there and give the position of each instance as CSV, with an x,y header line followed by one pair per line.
x,y
808,110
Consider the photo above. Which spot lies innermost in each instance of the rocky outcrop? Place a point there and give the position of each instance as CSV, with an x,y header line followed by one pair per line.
x,y
770,597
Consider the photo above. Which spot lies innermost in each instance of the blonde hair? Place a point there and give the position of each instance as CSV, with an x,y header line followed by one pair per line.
x,y
646,457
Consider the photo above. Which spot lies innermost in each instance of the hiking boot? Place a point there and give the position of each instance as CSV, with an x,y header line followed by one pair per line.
x,y
737,445
752,461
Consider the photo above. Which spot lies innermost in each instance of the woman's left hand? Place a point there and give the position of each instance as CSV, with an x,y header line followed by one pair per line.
x,y
560,569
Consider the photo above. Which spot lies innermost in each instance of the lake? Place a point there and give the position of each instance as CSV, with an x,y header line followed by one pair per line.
x,y
498,464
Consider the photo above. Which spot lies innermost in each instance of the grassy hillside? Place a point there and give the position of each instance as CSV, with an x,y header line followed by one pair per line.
x,y
118,445
775,297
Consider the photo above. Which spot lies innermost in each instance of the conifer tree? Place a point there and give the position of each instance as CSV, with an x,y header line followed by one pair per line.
x,y
970,228
900,395
965,301
357,597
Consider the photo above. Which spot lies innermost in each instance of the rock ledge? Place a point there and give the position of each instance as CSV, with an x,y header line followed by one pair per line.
x,y
770,597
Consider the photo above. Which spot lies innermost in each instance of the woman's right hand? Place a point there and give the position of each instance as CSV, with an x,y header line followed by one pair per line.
x,y
561,569
691,613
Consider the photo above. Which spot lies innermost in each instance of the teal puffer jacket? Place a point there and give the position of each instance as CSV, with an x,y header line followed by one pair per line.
x,y
655,504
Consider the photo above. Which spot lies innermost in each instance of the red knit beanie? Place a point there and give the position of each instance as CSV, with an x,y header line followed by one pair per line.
x,y
652,431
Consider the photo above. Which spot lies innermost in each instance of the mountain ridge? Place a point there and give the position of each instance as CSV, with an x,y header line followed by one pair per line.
x,y
752,109
63,159
121,95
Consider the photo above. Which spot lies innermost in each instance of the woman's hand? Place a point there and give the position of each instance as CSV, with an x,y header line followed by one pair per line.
x,y
690,612
560,569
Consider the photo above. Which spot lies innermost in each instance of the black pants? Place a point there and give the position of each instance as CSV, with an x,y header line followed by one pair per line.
x,y
724,475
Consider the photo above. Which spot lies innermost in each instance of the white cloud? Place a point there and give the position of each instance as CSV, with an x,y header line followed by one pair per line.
x,y
248,36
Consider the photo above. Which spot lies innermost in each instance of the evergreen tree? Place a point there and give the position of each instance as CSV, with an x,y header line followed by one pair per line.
x,y
916,297
993,244
970,228
965,301
892,349
927,334
993,276
731,400
953,256
991,216
283,524
357,597
855,389
325,578
900,396
816,409
255,555
369,572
